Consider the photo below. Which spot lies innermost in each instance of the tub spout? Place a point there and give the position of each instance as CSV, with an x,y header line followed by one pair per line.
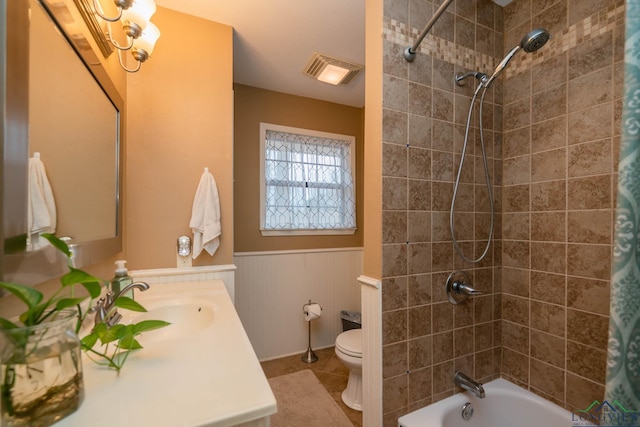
x,y
470,385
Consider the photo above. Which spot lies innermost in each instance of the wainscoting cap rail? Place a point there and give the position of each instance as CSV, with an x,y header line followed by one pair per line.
x,y
184,271
296,251
365,280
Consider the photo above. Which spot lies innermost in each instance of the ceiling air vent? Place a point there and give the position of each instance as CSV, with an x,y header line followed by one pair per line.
x,y
331,70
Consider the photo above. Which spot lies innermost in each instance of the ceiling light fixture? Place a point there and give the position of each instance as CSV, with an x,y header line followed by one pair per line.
x,y
140,32
331,70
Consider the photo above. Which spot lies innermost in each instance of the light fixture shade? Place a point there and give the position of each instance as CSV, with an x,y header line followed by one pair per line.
x,y
139,13
148,39
331,70
332,74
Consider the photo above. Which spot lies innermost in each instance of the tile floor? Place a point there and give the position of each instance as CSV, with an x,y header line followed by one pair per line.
x,y
333,375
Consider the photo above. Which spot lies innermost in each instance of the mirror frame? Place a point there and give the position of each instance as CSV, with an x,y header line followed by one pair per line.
x,y
18,265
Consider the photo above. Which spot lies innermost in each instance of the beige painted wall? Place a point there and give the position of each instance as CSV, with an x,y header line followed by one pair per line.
x,y
373,142
254,105
180,115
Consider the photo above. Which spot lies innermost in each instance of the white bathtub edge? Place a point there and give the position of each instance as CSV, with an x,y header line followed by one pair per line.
x,y
434,415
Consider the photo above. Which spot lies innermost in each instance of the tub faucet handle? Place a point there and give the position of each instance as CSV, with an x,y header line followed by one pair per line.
x,y
462,288
458,287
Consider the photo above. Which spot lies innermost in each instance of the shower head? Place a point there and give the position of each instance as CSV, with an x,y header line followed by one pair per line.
x,y
533,41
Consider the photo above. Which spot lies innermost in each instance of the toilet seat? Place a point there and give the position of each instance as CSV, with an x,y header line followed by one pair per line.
x,y
350,343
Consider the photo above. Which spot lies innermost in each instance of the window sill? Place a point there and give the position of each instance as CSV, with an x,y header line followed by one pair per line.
x,y
308,232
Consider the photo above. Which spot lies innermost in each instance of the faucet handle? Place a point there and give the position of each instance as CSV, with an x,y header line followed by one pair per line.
x,y
461,288
109,299
100,310
458,287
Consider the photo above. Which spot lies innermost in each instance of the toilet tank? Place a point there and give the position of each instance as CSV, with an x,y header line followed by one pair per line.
x,y
350,320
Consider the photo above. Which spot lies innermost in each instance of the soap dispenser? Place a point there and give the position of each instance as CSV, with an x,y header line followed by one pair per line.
x,y
121,279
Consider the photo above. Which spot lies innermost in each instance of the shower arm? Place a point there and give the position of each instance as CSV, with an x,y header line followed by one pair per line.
x,y
410,52
460,77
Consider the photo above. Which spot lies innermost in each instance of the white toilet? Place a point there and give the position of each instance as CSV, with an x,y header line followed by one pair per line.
x,y
349,351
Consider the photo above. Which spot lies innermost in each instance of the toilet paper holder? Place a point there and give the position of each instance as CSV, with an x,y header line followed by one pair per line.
x,y
308,314
310,356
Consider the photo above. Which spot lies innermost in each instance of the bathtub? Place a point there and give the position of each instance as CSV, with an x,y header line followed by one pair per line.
x,y
505,405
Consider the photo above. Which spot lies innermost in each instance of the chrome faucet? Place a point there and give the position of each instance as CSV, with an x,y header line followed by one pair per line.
x,y
468,384
458,287
105,309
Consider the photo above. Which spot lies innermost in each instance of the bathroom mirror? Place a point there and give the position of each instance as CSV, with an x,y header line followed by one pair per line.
x,y
73,126
68,111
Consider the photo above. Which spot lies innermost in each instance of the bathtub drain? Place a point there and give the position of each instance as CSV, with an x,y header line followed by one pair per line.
x,y
467,411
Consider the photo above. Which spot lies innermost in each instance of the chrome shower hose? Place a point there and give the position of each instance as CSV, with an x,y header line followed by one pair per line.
x,y
457,183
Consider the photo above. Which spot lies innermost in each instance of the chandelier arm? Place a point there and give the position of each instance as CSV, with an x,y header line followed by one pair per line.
x,y
115,42
106,18
124,67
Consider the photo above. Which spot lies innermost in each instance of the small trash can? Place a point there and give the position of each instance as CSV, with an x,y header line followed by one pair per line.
x,y
350,320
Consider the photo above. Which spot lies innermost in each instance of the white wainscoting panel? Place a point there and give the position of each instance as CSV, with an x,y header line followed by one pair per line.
x,y
272,287
371,351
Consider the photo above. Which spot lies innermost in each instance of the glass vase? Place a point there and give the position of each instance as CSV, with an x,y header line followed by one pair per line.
x,y
41,372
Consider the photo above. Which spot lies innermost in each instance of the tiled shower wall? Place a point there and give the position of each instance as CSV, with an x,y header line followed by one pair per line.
x,y
561,137
425,338
543,320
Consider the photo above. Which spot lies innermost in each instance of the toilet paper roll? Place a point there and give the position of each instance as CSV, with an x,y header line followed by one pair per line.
x,y
312,311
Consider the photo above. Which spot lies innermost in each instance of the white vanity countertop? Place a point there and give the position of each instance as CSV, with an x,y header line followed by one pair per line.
x,y
210,378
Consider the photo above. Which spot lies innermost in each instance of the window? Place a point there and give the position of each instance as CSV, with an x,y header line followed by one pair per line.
x,y
307,182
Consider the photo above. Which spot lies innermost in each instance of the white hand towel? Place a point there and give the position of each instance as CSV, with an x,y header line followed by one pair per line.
x,y
41,215
205,216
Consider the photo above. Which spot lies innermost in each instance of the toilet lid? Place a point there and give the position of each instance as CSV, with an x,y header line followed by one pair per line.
x,y
350,342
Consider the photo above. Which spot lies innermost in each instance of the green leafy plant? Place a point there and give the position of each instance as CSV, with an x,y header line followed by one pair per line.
x,y
39,311
116,342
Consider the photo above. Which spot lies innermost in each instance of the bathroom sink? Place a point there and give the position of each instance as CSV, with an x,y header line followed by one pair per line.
x,y
199,371
187,317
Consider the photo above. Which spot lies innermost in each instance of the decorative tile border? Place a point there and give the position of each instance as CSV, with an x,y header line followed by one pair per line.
x,y
591,27
595,25
398,33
